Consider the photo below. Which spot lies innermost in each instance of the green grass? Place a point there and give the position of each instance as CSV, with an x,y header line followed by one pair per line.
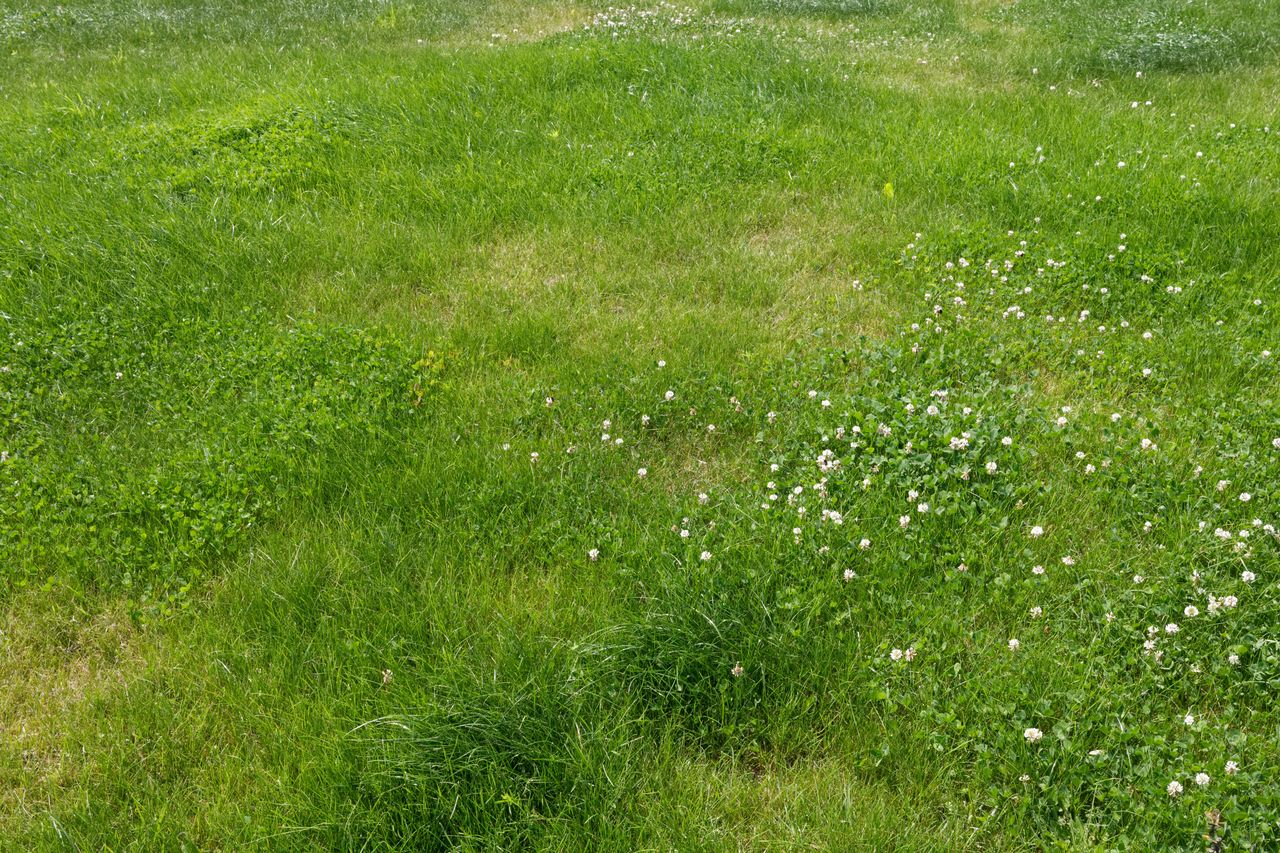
x,y
314,319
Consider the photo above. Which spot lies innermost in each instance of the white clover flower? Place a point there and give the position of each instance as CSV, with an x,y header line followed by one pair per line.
x,y
703,497
864,544
737,670
669,396
533,457
1247,576
1191,611
1189,719
1245,497
1014,645
1231,768
1037,612
849,574
895,654
904,520
1037,570
1032,734
1174,788
1172,628
642,472
705,556
593,554
910,653
1036,532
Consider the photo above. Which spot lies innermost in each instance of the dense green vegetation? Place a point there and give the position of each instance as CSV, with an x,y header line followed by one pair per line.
x,y
756,424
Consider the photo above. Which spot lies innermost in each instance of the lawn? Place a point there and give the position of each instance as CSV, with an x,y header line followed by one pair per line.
x,y
744,425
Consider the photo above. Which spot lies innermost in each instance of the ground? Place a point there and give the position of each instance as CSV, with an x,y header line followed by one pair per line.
x,y
755,424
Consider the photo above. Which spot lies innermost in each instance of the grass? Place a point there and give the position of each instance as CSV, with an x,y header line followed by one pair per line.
x,y
314,319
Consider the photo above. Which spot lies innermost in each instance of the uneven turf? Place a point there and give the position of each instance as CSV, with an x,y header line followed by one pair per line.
x,y
758,424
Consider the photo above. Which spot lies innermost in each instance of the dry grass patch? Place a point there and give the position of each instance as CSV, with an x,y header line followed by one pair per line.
x,y
521,23
53,667
816,804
